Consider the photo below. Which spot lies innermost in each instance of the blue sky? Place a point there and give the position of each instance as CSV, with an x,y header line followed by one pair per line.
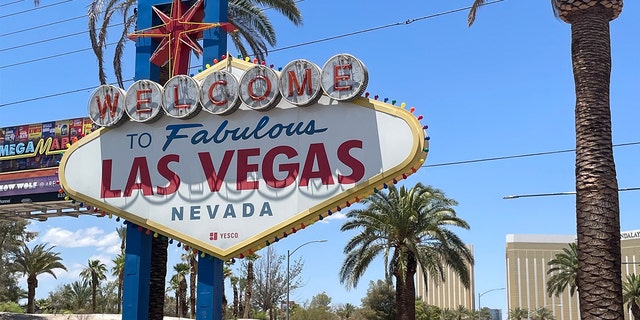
x,y
501,88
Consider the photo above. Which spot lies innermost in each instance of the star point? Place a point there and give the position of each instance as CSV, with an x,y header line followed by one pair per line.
x,y
180,33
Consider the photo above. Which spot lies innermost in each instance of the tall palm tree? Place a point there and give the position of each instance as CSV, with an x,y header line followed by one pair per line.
x,y
174,285
157,274
122,235
94,272
249,289
597,204
234,287
253,27
181,270
34,262
542,313
518,313
193,266
118,271
563,271
410,228
631,294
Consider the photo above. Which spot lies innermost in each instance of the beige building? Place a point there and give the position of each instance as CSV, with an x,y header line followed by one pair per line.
x,y
527,257
448,294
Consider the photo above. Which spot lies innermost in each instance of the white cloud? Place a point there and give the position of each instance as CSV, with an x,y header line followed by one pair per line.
x,y
88,237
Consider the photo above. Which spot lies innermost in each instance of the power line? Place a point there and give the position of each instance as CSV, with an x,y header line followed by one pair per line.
x,y
524,155
42,25
52,39
406,22
8,3
36,8
42,41
566,193
63,93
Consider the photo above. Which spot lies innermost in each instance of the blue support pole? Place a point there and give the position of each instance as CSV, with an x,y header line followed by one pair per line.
x,y
214,40
135,297
209,302
210,275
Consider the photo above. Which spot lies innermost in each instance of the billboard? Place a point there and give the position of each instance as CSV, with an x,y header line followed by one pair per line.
x,y
30,186
39,145
30,155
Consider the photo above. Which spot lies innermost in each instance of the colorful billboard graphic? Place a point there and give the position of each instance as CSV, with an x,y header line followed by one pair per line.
x,y
30,186
39,145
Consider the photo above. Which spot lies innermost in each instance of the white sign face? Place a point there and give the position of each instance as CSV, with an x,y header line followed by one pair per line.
x,y
229,184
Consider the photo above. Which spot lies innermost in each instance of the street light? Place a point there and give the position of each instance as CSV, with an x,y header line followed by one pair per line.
x,y
289,256
482,294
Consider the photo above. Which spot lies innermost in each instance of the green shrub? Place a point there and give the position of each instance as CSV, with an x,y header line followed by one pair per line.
x,y
10,307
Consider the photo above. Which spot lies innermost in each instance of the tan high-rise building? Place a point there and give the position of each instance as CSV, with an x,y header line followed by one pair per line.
x,y
450,293
527,265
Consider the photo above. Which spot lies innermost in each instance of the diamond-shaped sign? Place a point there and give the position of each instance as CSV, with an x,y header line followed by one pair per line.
x,y
229,184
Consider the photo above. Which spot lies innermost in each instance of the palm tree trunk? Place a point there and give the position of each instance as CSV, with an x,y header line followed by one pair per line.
x,y
635,310
247,297
183,298
158,272
94,289
32,284
192,284
597,209
235,299
406,291
120,285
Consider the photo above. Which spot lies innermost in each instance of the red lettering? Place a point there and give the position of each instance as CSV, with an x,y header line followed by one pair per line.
x,y
290,168
55,144
338,76
64,142
212,98
102,108
318,154
266,91
214,179
356,166
105,185
165,172
140,101
244,167
306,82
176,100
139,168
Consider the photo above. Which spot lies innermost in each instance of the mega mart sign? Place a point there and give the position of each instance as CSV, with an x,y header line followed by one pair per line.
x,y
230,184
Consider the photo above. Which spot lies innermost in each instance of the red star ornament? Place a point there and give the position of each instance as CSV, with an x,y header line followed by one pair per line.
x,y
180,34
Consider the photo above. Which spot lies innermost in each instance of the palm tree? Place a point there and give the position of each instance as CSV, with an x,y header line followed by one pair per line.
x,y
157,274
564,271
118,271
518,313
542,313
182,269
631,294
253,27
597,204
174,285
95,271
410,228
234,287
193,266
77,294
249,289
34,262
